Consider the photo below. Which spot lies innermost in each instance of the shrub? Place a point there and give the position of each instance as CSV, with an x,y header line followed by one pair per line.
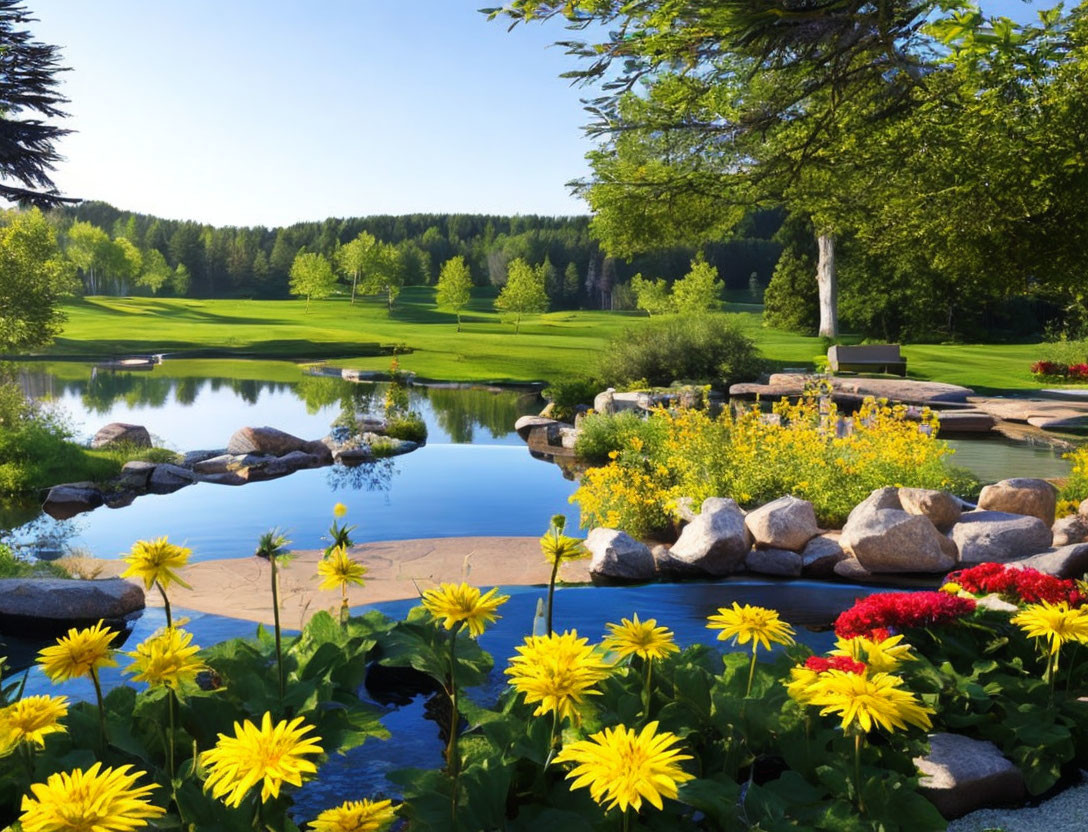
x,y
409,426
1076,484
566,394
706,349
603,434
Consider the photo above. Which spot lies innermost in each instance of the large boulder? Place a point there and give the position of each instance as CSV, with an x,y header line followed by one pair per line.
x,y
48,606
1061,562
1070,530
70,499
891,540
942,509
820,555
714,543
881,498
525,424
617,556
135,474
785,523
960,774
264,440
1022,495
781,563
997,536
119,433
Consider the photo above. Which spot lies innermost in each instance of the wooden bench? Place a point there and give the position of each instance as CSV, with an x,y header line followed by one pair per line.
x,y
868,358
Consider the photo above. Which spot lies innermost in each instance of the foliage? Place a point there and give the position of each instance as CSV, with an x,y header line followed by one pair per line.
x,y
703,349
14,566
523,293
454,287
1075,488
566,394
604,434
699,291
408,426
754,459
311,277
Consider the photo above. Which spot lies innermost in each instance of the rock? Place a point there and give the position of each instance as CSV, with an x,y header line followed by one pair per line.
x,y
1069,530
1021,495
685,509
998,536
191,458
960,774
618,556
660,552
942,509
994,603
70,499
849,569
780,562
879,499
714,543
120,499
225,477
320,450
635,401
354,456
819,557
1062,562
167,478
49,606
524,425
281,466
119,433
136,474
221,464
785,523
967,420
891,540
602,402
266,440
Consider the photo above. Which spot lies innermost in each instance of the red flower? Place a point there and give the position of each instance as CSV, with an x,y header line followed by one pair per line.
x,y
822,664
1027,585
1048,368
1078,371
901,611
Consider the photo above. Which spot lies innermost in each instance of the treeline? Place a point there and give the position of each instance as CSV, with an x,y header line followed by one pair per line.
x,y
119,252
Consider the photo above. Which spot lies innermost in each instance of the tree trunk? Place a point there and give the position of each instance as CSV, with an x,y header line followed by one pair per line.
x,y
354,281
458,320
828,286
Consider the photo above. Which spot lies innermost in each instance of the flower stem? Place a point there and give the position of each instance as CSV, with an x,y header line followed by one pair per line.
x,y
751,671
551,592
647,687
170,740
276,620
626,820
857,771
553,740
28,758
166,604
101,709
453,760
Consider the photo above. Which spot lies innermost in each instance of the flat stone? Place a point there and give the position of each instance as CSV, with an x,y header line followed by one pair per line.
x,y
966,421
524,425
263,440
225,477
354,456
960,774
984,536
1021,495
48,606
281,466
120,433
191,458
70,499
617,556
1062,562
1069,530
222,464
135,474
785,523
942,509
714,543
820,555
167,478
780,562
906,391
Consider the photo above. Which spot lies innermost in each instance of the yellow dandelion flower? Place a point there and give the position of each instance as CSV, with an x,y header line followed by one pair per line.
x,y
95,800
271,755
558,548
799,687
356,816
621,767
558,671
456,603
867,700
339,510
882,656
30,719
166,659
79,653
338,571
756,624
1056,623
156,560
640,638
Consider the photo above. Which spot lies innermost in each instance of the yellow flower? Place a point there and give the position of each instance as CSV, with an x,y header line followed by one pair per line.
x,y
558,548
156,560
337,570
95,800
79,653
799,687
271,755
456,603
30,720
356,816
952,588
1057,623
868,700
880,656
557,670
339,510
622,766
641,638
756,624
166,659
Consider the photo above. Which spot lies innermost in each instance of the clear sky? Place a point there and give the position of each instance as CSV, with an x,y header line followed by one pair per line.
x,y
247,112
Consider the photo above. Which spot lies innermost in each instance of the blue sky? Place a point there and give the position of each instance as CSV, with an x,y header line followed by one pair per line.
x,y
248,112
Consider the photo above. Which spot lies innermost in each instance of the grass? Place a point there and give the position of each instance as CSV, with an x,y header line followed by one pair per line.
x,y
549,347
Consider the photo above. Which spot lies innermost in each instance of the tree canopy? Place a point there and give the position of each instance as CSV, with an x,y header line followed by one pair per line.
x,y
454,286
523,293
34,277
312,276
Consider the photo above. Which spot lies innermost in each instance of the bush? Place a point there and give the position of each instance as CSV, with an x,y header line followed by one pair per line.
x,y
704,349
14,566
409,426
603,434
566,394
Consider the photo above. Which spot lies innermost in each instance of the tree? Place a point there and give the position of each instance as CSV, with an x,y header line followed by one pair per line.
x,y
454,286
312,277
652,296
156,271
382,272
523,293
351,258
87,249
28,82
699,290
179,283
34,276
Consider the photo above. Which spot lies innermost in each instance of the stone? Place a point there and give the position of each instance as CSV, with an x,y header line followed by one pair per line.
x,y
685,509
524,425
167,478
222,464
960,774
225,477
886,540
634,401
49,606
780,562
602,402
995,604
354,456
191,458
785,523
317,448
120,499
879,499
266,440
618,556
1062,562
120,433
280,466
850,570
820,555
967,420
1022,495
942,509
135,474
984,536
70,499
1069,530
714,543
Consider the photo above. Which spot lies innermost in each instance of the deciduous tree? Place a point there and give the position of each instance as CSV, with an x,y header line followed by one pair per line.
x,y
454,286
311,277
34,277
524,292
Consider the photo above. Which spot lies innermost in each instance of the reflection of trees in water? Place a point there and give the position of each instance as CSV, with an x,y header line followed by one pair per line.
x,y
103,389
369,476
25,527
460,411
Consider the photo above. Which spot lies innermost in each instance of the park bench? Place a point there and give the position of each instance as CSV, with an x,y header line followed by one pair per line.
x,y
869,358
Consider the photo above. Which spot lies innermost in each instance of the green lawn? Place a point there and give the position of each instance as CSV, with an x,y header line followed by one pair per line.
x,y
549,346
